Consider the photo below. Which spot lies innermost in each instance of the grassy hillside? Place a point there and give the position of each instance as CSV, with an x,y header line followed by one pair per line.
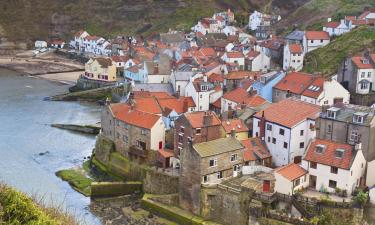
x,y
327,59
16,208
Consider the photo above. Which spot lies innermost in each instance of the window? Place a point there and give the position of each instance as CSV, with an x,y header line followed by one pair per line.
x,y
182,130
269,127
233,157
269,139
200,96
237,168
297,182
220,175
321,41
358,118
369,74
354,136
180,138
319,148
363,74
331,114
301,132
126,126
334,169
329,128
332,184
312,41
125,138
313,165
301,144
205,179
256,134
339,153
273,140
117,123
143,131
281,131
364,85
285,145
198,131
258,123
213,162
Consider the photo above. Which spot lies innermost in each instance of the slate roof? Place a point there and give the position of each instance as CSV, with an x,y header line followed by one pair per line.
x,y
217,147
346,112
296,35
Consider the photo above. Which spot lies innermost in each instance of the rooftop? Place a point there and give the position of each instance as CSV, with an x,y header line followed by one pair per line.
x,y
317,35
291,171
217,147
344,113
125,113
255,149
295,82
234,124
196,119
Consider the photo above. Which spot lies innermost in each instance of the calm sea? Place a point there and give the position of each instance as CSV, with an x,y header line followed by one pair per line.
x,y
25,132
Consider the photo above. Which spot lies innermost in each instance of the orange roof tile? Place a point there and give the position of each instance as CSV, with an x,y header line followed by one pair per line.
x,y
239,75
234,124
295,82
123,112
216,78
208,52
255,148
291,171
196,119
217,103
166,153
235,55
175,104
295,48
241,96
148,105
358,61
332,24
315,89
148,94
289,112
317,35
328,157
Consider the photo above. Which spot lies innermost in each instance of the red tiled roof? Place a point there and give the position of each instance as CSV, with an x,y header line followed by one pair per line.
x,y
312,91
196,119
239,75
254,148
364,14
291,171
149,105
147,94
241,96
235,55
289,112
216,78
295,82
317,35
79,33
137,118
118,58
332,24
295,48
328,157
166,153
234,124
358,61
252,54
208,52
176,104
217,103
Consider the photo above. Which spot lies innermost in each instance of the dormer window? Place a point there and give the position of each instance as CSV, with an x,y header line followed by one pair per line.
x,y
319,148
204,87
365,61
359,117
332,112
339,153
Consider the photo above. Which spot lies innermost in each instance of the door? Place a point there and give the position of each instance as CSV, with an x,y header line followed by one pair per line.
x,y
312,182
297,159
338,100
160,144
266,186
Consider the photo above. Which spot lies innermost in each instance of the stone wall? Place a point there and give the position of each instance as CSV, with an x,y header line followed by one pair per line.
x,y
106,189
159,183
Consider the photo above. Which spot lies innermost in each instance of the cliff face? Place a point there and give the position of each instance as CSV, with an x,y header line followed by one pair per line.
x,y
24,20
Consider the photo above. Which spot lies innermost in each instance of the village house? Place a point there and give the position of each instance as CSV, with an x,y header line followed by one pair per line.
x,y
100,69
234,57
240,98
233,79
77,43
173,108
236,128
315,39
257,19
336,28
293,57
310,88
40,44
295,37
273,48
135,73
286,136
200,90
136,134
180,78
357,73
207,163
257,61
263,86
334,167
350,124
290,178
119,62
256,153
57,44
157,72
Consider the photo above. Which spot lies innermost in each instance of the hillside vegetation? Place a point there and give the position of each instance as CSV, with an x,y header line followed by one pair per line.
x,y
326,60
18,209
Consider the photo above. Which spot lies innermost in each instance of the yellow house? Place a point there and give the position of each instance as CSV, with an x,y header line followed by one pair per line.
x,y
241,131
102,69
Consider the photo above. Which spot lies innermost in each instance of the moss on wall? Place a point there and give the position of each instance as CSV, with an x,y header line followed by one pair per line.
x,y
103,189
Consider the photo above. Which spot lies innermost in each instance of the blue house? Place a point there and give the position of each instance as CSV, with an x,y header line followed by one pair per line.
x,y
135,73
264,85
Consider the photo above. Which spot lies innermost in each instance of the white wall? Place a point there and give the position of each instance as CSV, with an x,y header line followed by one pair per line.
x,y
294,61
285,186
366,77
158,79
331,90
370,176
157,134
308,46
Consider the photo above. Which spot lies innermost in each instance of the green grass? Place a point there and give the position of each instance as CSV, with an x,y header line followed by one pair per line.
x,y
19,209
326,60
77,179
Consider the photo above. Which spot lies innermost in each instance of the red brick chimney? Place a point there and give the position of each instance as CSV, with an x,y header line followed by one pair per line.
x,y
185,105
262,127
207,119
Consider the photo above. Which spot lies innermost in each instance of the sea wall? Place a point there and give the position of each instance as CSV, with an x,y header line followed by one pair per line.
x,y
108,189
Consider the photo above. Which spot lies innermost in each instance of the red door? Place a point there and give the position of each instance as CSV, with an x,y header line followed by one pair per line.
x,y
160,144
266,186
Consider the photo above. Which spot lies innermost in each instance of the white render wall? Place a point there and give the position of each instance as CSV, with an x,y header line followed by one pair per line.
x,y
297,138
297,65
285,186
261,63
225,105
308,46
158,79
370,79
157,134
370,176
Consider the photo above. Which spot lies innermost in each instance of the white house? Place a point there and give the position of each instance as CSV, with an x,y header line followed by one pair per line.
x,y
40,44
230,30
332,166
336,28
200,90
257,61
365,73
315,39
77,43
290,178
238,98
293,57
234,57
287,127
325,92
257,19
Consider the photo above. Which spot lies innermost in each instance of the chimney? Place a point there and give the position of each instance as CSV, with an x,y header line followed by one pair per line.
x,y
262,126
156,69
185,105
233,133
207,119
